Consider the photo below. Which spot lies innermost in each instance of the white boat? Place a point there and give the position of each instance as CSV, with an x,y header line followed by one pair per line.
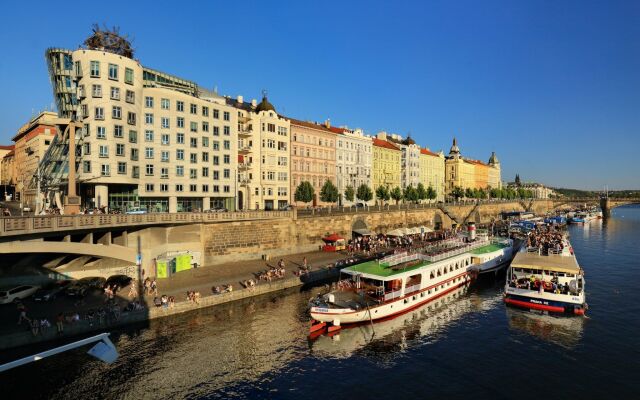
x,y
494,256
553,283
387,287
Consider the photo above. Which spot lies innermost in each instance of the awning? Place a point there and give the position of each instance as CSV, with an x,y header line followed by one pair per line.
x,y
396,232
555,263
364,232
333,238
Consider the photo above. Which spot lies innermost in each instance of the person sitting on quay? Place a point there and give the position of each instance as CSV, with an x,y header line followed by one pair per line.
x,y
157,302
164,300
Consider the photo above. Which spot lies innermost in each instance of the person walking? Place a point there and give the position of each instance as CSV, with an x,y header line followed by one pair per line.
x,y
154,287
22,311
60,323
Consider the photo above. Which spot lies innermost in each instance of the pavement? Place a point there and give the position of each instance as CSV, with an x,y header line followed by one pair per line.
x,y
199,279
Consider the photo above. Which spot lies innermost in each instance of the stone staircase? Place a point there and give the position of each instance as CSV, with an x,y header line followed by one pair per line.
x,y
448,213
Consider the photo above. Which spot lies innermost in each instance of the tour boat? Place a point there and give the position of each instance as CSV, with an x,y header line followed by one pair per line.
x,y
554,283
494,256
395,284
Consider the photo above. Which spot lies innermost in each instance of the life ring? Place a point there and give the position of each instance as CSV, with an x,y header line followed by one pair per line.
x,y
536,284
548,285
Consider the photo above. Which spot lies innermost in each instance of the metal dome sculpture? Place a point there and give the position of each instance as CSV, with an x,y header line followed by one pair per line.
x,y
109,40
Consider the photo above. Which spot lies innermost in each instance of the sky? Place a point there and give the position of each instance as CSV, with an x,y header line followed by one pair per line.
x,y
552,87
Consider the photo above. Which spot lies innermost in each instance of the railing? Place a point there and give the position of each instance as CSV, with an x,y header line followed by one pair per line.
x,y
392,295
13,226
411,289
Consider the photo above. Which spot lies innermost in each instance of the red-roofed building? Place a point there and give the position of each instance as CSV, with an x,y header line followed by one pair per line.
x,y
468,173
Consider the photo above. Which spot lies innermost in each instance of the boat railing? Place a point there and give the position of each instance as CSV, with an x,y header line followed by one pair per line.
x,y
400,258
412,288
392,295
461,250
532,249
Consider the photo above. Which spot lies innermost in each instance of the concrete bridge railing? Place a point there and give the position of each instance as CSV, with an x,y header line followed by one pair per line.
x,y
16,226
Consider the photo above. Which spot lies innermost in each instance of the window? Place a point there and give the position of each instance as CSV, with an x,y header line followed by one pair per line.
x,y
193,173
86,149
122,168
148,187
83,111
179,170
282,130
205,142
148,153
216,175
101,132
193,188
193,158
180,122
194,126
135,172
148,119
134,154
205,126
194,109
148,136
133,136
164,122
148,101
227,173
193,142
216,131
128,76
180,106
205,172
271,127
120,149
216,188
227,159
86,166
113,72
78,68
131,118
164,173
216,160
164,187
103,151
282,145
115,93
226,116
227,145
105,170
205,157
227,188
118,132
164,138
130,96
96,90
282,161
179,154
149,170
164,104
205,111
99,113
205,188
216,114
180,138
95,69
216,145
227,131
164,156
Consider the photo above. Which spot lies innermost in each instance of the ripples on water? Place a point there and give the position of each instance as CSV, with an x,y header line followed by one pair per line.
x,y
466,346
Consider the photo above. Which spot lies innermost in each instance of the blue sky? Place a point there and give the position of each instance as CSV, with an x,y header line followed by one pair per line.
x,y
552,87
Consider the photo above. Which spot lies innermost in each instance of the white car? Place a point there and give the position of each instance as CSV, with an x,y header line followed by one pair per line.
x,y
17,293
136,210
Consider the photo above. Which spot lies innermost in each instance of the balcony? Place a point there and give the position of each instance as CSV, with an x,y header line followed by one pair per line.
x,y
243,166
244,149
245,181
244,132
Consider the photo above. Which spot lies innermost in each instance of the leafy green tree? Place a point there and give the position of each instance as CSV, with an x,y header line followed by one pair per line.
x,y
382,193
304,192
457,192
396,194
468,193
481,194
422,192
349,193
410,194
364,193
521,193
495,193
329,192
431,193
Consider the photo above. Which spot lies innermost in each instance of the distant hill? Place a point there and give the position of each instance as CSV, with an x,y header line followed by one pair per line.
x,y
591,193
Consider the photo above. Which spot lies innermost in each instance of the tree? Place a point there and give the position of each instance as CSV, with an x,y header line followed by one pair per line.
x,y
468,193
422,192
382,193
410,194
364,193
431,193
482,194
496,193
349,193
457,192
521,193
329,192
304,192
396,194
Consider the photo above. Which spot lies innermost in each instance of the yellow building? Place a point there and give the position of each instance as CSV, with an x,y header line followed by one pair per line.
x,y
7,171
386,163
432,171
468,173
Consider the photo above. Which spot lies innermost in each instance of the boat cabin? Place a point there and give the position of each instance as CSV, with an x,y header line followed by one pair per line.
x,y
557,274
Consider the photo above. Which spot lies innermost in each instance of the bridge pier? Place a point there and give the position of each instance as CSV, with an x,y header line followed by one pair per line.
x,y
605,206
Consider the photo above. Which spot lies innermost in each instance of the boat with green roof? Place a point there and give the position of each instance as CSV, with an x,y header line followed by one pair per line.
x,y
397,283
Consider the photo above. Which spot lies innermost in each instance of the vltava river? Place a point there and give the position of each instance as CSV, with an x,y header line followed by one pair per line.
x,y
468,346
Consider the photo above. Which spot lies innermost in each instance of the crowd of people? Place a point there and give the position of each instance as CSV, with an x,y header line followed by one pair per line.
x,y
547,239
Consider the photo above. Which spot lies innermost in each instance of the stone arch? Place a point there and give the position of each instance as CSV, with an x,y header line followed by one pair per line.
x,y
437,221
359,223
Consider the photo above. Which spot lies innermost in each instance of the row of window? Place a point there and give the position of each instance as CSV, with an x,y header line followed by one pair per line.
x,y
310,139
314,153
267,191
149,136
164,171
164,187
165,104
113,71
149,154
311,167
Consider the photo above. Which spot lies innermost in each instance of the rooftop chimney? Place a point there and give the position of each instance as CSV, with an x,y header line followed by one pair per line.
x,y
327,123
240,99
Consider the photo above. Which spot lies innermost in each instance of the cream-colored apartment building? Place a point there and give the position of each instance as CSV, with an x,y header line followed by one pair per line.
x,y
470,174
150,140
432,171
7,165
313,157
263,155
354,158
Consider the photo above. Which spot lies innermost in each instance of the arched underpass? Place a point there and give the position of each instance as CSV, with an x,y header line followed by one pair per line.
x,y
96,250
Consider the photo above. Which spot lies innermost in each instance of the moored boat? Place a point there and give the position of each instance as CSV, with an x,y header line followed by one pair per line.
x,y
553,282
395,284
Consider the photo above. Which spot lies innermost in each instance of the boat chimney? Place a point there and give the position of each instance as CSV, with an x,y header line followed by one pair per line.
x,y
471,231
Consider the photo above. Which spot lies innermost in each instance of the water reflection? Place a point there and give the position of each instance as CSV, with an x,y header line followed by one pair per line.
x,y
559,330
425,324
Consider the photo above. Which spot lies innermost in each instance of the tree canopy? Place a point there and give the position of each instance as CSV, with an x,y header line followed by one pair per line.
x,y
382,193
431,193
410,193
364,193
349,193
422,192
396,194
304,192
329,192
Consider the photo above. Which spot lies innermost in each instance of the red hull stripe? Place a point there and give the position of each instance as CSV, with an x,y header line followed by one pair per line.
x,y
535,306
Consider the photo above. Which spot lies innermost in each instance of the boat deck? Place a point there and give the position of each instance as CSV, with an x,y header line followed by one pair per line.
x,y
383,269
489,248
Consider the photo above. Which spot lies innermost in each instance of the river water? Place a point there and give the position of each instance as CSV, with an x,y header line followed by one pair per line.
x,y
469,345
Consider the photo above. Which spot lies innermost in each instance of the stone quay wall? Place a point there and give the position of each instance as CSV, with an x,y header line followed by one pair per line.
x,y
245,240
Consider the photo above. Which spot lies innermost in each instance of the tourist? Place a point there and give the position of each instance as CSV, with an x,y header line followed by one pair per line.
x,y
133,290
35,326
157,302
154,287
164,300
22,311
147,286
304,263
60,323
